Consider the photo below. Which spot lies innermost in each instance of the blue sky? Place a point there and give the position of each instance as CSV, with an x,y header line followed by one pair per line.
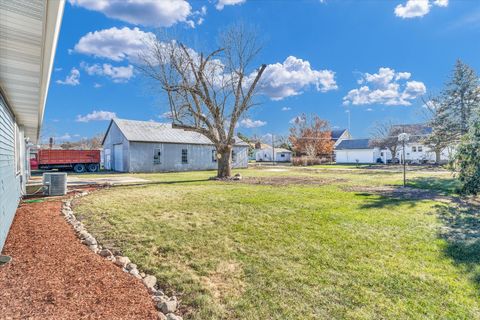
x,y
376,59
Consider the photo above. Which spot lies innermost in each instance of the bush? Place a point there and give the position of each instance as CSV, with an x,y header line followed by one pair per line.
x,y
308,161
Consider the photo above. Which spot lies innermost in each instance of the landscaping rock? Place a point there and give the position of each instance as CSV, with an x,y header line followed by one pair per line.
x,y
142,274
172,316
168,306
131,266
238,176
84,234
94,248
161,316
122,261
150,281
90,241
135,273
159,299
105,253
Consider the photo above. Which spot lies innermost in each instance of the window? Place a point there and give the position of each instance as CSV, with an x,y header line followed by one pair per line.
x,y
414,149
234,156
214,155
381,154
157,153
184,156
420,148
282,155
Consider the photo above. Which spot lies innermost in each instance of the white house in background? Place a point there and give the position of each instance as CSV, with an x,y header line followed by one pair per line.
x,y
268,154
415,150
339,135
356,151
145,146
28,38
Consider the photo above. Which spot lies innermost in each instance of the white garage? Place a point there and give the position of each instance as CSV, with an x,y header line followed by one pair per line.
x,y
356,151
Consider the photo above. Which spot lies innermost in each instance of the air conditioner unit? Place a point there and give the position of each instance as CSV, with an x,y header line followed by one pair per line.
x,y
55,183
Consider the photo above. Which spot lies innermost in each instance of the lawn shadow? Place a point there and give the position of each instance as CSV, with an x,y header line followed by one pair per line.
x,y
393,195
461,231
443,186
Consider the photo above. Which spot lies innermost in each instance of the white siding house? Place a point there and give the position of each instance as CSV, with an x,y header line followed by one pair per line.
x,y
28,37
144,146
269,153
356,151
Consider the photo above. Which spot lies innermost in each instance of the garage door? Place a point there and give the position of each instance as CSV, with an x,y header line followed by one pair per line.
x,y
118,157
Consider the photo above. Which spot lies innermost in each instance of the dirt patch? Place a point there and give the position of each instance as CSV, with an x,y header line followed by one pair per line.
x,y
398,192
287,180
53,276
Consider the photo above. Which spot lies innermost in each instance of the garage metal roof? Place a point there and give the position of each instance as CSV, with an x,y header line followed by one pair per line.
x,y
149,131
28,38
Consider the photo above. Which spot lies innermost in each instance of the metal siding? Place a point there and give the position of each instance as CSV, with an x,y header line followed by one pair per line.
x,y
199,157
10,186
115,136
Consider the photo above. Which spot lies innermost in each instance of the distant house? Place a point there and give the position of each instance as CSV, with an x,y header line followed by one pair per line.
x,y
415,150
144,146
356,151
269,154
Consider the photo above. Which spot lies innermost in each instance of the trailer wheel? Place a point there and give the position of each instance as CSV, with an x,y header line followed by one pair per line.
x,y
79,168
93,167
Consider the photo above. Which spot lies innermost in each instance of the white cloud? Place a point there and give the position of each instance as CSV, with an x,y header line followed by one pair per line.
x,y
441,3
290,78
153,13
64,137
58,69
117,74
73,79
222,3
286,109
417,8
297,120
96,116
115,44
166,115
385,87
369,109
97,85
249,123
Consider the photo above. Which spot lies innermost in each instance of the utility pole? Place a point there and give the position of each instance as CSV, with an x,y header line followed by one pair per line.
x,y
403,137
273,148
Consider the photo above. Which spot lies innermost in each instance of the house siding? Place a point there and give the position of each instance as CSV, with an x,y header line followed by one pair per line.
x,y
10,181
199,157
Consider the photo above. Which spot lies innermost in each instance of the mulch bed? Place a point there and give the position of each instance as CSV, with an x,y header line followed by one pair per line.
x,y
53,276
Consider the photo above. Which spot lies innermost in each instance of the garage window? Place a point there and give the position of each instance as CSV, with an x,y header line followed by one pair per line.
x,y
157,154
214,155
234,156
184,156
414,149
420,148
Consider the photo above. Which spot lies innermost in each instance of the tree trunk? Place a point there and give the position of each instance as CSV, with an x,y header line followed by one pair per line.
x,y
224,162
437,156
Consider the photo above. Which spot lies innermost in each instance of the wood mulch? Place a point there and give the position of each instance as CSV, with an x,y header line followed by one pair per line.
x,y
53,276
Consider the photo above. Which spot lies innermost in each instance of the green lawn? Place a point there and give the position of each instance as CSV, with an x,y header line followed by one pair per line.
x,y
292,250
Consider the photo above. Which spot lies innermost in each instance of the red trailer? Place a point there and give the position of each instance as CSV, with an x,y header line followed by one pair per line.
x,y
78,160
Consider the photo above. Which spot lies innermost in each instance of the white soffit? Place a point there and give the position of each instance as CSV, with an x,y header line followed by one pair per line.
x,y
28,37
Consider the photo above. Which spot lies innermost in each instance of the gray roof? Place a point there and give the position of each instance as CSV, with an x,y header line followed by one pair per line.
x,y
149,131
336,134
354,144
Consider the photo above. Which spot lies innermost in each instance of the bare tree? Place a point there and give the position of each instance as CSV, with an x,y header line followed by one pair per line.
x,y
207,93
385,136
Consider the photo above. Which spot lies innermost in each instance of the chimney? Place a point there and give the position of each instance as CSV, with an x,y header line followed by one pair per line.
x,y
258,145
50,142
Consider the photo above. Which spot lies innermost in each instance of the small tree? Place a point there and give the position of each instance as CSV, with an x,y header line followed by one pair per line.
x,y
468,161
207,93
385,136
312,137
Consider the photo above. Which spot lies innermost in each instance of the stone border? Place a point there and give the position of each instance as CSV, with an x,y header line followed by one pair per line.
x,y
166,305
